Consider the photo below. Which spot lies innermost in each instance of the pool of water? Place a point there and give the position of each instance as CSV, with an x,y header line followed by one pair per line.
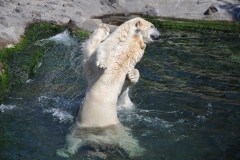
x,y
188,101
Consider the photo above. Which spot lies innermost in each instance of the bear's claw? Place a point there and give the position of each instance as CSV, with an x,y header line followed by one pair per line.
x,y
102,59
102,63
133,75
106,31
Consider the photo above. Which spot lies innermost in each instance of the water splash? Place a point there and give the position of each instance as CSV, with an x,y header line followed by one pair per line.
x,y
136,118
57,100
62,38
201,118
6,107
59,114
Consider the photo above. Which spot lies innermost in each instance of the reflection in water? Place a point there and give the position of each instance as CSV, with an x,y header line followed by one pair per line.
x,y
187,103
115,136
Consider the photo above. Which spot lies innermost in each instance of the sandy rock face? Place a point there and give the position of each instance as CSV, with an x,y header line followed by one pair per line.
x,y
15,15
190,9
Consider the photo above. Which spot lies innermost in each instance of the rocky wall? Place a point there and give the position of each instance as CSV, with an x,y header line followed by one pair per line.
x,y
15,15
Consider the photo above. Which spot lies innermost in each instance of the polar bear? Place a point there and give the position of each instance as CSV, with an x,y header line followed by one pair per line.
x,y
149,34
105,85
98,110
108,85
147,29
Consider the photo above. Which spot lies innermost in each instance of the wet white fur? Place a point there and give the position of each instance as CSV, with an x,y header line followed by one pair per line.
x,y
105,85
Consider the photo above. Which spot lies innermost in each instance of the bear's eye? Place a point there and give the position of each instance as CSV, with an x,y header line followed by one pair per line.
x,y
152,26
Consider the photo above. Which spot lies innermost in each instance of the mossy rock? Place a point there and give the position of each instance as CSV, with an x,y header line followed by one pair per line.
x,y
20,61
205,26
81,34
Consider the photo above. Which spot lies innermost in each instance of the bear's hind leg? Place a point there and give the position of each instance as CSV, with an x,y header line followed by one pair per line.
x,y
74,142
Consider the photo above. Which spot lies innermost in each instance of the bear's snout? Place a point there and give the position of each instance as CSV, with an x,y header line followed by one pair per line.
x,y
155,37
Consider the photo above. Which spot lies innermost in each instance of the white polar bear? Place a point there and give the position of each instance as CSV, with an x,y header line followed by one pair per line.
x,y
148,31
105,85
99,106
108,85
149,34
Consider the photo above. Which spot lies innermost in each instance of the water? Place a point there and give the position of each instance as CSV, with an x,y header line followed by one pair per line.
x,y
188,101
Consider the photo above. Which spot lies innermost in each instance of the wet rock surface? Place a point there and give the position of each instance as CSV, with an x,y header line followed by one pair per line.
x,y
16,15
212,9
1,68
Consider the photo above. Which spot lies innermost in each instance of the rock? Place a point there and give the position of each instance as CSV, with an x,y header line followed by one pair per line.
x,y
126,14
109,3
210,10
10,35
114,5
113,1
21,3
151,12
70,5
202,1
53,22
79,13
23,15
3,21
18,9
49,7
36,13
147,6
103,2
2,4
91,24
64,10
64,20
1,68
106,9
71,24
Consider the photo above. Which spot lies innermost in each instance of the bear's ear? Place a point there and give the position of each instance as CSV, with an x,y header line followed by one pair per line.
x,y
138,25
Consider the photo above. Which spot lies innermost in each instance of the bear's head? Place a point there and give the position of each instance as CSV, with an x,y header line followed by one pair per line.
x,y
148,31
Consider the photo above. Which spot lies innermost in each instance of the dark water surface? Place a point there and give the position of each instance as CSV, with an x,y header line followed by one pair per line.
x,y
188,101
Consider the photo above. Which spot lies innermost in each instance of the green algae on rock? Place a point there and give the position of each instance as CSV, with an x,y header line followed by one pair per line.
x,y
20,61
206,26
81,34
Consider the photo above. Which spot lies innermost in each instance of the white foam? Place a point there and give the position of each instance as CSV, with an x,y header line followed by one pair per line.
x,y
149,121
6,107
63,37
201,118
157,122
39,64
60,115
42,98
28,81
15,98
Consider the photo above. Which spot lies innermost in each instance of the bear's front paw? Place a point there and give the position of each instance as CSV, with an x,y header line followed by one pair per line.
x,y
103,28
102,61
143,46
133,76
